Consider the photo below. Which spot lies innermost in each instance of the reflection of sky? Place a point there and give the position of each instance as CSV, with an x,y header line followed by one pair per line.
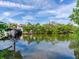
x,y
44,50
36,11
5,44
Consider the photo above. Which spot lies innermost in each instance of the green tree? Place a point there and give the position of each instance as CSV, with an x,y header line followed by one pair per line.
x,y
3,26
75,14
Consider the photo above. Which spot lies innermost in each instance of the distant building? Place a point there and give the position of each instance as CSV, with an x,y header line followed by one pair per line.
x,y
19,26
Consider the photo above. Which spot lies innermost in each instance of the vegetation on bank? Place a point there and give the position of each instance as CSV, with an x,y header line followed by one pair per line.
x,y
8,54
44,28
49,28
3,26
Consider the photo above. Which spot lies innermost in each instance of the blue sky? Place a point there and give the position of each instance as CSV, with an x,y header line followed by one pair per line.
x,y
36,11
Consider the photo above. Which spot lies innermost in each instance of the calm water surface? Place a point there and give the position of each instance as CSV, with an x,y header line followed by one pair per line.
x,y
42,47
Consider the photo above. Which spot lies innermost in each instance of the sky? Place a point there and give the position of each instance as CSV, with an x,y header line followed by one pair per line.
x,y
36,11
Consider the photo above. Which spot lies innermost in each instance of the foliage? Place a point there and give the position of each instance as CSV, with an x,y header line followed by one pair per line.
x,y
49,28
3,26
7,54
75,14
12,25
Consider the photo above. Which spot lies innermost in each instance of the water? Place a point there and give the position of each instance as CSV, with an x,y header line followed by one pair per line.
x,y
43,47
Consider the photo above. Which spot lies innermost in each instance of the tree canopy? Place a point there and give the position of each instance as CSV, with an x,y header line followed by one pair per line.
x,y
75,14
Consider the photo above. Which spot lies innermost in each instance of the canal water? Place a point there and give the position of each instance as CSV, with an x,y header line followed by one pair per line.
x,y
44,47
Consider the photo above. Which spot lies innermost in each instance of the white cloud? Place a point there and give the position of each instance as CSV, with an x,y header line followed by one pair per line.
x,y
62,15
61,1
1,18
6,14
5,18
28,17
42,4
25,20
46,11
10,14
65,10
62,12
43,7
17,5
9,20
34,4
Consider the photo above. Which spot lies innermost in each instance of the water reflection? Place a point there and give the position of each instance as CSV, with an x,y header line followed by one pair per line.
x,y
43,47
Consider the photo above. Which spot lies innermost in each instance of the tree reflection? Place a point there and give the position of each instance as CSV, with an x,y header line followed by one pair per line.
x,y
73,38
75,45
48,38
